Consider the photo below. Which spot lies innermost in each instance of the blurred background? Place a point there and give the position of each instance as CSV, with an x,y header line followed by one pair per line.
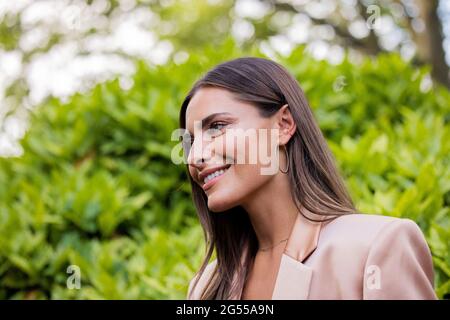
x,y
91,205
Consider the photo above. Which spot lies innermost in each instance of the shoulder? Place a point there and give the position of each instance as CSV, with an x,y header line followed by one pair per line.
x,y
202,281
365,230
388,255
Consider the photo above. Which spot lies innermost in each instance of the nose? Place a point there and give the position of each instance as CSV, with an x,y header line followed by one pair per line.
x,y
199,154
199,165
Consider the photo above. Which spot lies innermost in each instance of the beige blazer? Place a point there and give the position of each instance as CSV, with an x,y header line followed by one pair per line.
x,y
356,256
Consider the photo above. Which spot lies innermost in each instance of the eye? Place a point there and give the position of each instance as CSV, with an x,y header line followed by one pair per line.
x,y
215,129
217,125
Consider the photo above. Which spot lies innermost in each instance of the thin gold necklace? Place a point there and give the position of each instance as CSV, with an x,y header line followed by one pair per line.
x,y
267,248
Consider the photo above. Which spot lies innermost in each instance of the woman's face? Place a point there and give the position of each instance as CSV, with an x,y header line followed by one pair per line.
x,y
216,141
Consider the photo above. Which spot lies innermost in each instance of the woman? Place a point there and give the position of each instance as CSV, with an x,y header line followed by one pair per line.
x,y
293,232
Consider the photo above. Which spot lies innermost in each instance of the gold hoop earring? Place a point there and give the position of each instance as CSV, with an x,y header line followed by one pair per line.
x,y
287,160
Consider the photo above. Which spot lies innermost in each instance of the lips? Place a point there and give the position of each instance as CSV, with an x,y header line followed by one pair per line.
x,y
204,173
210,176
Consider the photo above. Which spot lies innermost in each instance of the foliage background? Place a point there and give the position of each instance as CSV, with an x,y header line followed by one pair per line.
x,y
95,186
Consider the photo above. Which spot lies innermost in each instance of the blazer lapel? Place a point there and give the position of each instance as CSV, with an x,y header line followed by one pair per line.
x,y
294,278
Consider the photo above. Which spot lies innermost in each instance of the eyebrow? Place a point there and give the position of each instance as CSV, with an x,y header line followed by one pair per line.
x,y
208,119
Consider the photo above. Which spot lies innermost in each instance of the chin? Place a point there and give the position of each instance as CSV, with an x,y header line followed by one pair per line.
x,y
218,203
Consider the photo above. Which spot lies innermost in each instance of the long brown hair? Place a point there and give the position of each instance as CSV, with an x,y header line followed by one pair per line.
x,y
314,178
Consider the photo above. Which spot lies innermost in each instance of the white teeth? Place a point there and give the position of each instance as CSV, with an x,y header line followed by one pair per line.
x,y
214,174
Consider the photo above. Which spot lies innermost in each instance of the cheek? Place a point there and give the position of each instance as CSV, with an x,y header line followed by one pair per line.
x,y
241,181
245,175
248,177
224,148
254,147
238,149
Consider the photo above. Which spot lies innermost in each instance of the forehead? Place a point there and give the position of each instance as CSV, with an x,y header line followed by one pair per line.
x,y
208,100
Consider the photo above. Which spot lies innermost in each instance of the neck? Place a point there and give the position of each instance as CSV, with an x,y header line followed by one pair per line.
x,y
272,211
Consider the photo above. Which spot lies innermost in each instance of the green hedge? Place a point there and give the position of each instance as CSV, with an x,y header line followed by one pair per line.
x,y
96,188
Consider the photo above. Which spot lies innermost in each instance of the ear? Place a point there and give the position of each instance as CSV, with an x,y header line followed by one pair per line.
x,y
286,124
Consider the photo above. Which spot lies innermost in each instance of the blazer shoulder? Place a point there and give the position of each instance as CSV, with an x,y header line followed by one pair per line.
x,y
360,229
401,254
202,282
385,257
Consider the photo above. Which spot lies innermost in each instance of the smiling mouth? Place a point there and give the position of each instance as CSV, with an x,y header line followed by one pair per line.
x,y
211,178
